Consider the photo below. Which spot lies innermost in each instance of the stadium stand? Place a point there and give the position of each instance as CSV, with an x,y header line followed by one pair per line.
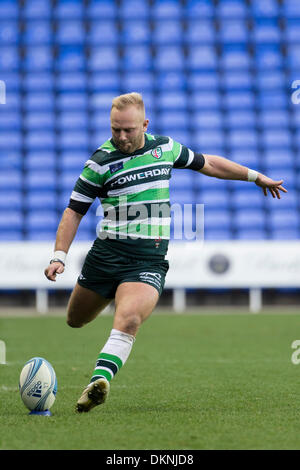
x,y
216,75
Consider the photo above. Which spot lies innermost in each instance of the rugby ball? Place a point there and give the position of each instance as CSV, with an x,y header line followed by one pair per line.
x,y
38,384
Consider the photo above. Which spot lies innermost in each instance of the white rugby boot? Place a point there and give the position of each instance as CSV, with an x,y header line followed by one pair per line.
x,y
94,394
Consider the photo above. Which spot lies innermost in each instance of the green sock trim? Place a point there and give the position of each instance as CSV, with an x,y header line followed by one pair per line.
x,y
102,373
111,357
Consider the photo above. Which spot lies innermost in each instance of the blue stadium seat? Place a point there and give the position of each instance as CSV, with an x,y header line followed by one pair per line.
x,y
198,9
69,32
231,9
70,58
242,138
203,182
235,119
250,234
135,32
181,180
279,158
246,157
266,31
11,160
167,81
41,220
39,120
271,99
38,58
11,220
237,80
68,9
169,119
66,181
9,32
169,58
239,99
103,32
133,9
11,235
32,10
9,59
10,178
72,120
235,57
73,100
10,120
72,161
264,8
101,101
70,138
71,81
41,200
208,138
217,219
9,9
137,58
288,176
221,234
207,119
11,200
40,235
40,180
288,201
283,219
268,56
98,138
38,159
107,81
285,234
182,196
248,198
291,9
202,58
40,139
100,120
205,100
199,32
276,137
166,9
10,139
172,100
202,81
291,32
38,81
213,199
43,101
268,118
249,219
293,55
37,32
273,79
102,9
233,31
167,32
137,81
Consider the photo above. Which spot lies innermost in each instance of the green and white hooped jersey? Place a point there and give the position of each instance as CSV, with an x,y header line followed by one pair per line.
x,y
134,193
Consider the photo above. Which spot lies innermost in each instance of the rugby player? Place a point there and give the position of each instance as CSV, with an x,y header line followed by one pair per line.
x,y
129,173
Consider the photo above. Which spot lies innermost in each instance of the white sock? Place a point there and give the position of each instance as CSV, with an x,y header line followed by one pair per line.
x,y
113,355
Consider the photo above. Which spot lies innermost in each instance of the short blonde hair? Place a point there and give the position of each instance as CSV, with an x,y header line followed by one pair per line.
x,y
122,101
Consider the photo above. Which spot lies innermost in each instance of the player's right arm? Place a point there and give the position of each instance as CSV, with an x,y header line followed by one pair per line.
x,y
84,193
65,235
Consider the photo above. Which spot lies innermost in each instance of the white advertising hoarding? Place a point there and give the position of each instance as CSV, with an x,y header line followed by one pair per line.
x,y
232,264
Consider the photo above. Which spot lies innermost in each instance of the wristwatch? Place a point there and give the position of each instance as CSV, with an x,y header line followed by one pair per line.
x,y
57,260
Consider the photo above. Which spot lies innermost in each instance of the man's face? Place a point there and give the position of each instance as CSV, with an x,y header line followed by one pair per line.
x,y
128,126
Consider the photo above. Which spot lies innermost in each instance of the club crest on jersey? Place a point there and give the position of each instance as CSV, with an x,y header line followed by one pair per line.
x,y
116,167
157,153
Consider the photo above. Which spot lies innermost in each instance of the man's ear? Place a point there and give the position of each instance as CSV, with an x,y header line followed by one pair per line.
x,y
145,124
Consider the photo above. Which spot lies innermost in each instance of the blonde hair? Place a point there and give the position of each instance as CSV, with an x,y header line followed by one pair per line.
x,y
122,101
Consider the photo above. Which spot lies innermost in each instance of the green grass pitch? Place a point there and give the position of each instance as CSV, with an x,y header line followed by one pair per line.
x,y
209,381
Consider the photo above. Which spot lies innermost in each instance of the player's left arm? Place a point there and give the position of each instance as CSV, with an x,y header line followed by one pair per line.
x,y
220,167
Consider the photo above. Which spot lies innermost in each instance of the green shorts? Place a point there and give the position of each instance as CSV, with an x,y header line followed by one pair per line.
x,y
103,274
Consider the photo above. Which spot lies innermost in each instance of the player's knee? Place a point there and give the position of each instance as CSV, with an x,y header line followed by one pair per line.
x,y
130,323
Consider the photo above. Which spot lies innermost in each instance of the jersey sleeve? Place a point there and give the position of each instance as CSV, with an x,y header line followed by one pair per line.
x,y
186,158
86,189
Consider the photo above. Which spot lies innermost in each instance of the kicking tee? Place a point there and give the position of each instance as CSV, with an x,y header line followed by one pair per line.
x,y
134,193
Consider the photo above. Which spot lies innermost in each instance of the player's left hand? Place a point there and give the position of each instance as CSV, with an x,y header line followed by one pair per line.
x,y
268,184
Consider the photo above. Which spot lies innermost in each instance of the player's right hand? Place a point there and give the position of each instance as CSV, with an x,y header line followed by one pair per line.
x,y
53,269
